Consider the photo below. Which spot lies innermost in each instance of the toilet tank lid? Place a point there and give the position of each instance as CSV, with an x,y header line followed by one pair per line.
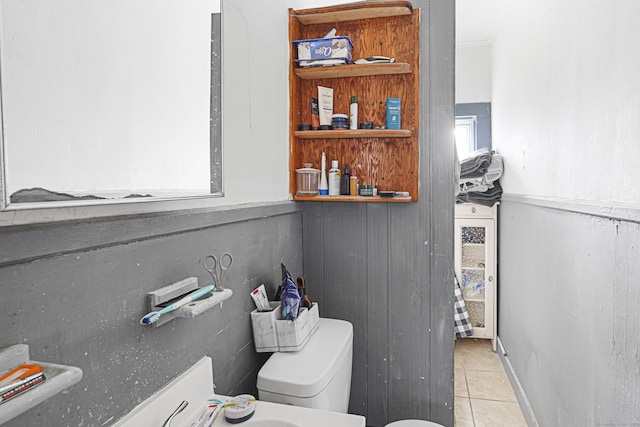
x,y
306,372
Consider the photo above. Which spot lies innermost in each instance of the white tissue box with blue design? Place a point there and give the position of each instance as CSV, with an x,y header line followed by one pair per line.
x,y
323,52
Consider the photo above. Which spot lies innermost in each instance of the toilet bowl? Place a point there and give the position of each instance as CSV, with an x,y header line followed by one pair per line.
x,y
317,376
413,423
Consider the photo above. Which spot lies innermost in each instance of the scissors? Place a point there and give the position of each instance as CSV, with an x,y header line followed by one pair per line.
x,y
217,268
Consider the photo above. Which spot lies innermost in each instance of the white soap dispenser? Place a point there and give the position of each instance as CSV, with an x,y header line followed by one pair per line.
x,y
334,179
353,113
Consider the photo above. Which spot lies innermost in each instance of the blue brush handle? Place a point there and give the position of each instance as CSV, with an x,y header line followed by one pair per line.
x,y
191,297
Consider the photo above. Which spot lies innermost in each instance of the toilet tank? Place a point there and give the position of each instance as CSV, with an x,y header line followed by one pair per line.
x,y
317,376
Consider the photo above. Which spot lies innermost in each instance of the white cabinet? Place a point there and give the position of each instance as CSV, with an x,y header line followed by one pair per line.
x,y
476,265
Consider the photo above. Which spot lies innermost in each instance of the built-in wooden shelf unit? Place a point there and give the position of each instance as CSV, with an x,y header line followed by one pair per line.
x,y
382,157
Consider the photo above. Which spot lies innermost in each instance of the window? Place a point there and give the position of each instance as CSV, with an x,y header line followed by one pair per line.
x,y
473,127
465,136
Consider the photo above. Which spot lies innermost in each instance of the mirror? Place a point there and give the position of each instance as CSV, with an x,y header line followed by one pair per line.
x,y
107,100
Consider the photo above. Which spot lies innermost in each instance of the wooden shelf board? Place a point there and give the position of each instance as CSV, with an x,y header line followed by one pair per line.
x,y
365,199
353,70
358,133
353,11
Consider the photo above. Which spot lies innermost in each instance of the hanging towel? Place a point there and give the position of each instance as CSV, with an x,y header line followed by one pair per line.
x,y
462,323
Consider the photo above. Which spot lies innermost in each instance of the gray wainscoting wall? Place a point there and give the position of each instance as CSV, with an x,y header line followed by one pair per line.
x,y
75,293
568,308
388,268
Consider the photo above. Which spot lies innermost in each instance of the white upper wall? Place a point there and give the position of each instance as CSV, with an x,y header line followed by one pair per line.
x,y
255,100
256,97
566,99
477,22
473,73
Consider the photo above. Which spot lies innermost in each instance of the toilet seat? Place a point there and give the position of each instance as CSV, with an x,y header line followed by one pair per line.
x,y
413,423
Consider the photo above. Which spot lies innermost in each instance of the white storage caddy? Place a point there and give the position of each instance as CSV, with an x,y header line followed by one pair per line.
x,y
272,333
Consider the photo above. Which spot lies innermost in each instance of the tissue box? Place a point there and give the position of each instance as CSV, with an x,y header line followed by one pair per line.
x,y
324,49
273,333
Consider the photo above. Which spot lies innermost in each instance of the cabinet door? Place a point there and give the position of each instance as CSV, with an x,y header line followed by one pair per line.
x,y
475,253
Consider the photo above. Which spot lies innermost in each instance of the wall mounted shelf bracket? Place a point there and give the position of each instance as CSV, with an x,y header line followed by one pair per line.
x,y
159,298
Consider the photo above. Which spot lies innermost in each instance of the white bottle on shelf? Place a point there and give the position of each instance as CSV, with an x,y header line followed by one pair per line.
x,y
353,113
334,179
323,189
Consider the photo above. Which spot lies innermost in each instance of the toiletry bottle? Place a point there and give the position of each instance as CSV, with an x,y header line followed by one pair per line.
x,y
323,189
344,181
353,113
334,179
315,114
353,185
393,113
325,106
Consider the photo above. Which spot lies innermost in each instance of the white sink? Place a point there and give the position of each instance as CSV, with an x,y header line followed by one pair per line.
x,y
196,386
271,423
277,415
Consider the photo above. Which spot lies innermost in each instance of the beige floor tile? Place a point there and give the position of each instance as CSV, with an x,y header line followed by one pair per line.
x,y
490,413
462,413
458,359
489,385
460,383
478,355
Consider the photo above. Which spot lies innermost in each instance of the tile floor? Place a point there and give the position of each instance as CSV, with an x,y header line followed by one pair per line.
x,y
483,394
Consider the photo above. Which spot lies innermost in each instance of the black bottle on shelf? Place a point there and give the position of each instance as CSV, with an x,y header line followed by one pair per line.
x,y
344,181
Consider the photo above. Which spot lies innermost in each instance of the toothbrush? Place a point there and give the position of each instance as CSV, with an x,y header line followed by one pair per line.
x,y
155,315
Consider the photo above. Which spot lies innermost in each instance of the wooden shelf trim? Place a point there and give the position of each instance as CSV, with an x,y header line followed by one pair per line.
x,y
369,199
359,133
353,11
353,70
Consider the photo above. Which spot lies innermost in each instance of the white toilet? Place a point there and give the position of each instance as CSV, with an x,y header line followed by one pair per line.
x,y
317,376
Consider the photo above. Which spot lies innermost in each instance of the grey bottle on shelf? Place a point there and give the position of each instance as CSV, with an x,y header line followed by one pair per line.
x,y
344,181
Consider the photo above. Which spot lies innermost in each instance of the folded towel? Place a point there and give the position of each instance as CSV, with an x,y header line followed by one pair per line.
x,y
479,175
473,181
495,169
476,164
487,198
477,186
